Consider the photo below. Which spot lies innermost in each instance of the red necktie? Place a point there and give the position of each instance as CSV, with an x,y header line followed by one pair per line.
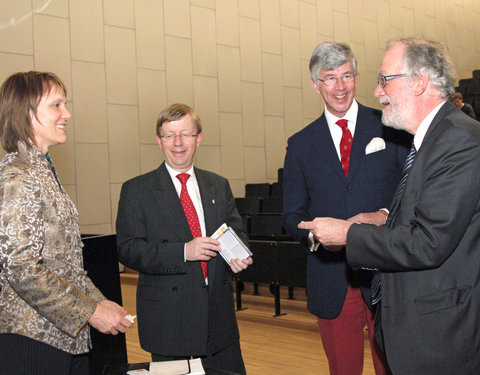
x,y
345,145
190,213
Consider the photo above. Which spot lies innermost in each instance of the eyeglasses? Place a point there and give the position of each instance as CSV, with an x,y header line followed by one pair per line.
x,y
383,80
183,136
332,80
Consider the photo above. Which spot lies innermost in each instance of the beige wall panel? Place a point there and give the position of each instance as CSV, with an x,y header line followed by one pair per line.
x,y
270,26
151,157
459,16
250,50
11,63
177,18
120,65
114,198
204,3
238,187
179,70
93,183
208,157
255,164
408,24
430,28
410,4
394,14
89,94
63,157
383,24
312,102
72,193
124,150
431,7
96,228
229,81
53,57
370,9
119,13
341,27
206,105
232,145
16,26
152,98
249,8
289,13
204,47
308,29
340,6
476,6
272,84
226,13
252,114
57,8
325,17
371,79
293,111
372,46
291,57
358,50
86,30
150,37
356,21
275,144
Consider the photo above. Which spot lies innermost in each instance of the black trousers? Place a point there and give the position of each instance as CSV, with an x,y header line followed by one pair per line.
x,y
229,359
20,355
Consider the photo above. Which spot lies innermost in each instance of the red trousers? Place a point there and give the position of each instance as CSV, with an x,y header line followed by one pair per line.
x,y
343,338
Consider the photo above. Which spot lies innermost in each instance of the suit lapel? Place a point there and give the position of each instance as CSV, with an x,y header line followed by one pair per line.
x,y
326,147
167,198
361,138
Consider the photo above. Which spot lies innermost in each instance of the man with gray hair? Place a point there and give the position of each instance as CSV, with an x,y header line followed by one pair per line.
x,y
428,254
345,164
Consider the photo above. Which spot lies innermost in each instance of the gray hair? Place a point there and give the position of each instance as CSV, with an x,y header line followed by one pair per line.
x,y
329,56
432,58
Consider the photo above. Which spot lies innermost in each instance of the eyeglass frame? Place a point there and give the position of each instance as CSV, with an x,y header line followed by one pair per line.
x,y
173,137
382,80
354,76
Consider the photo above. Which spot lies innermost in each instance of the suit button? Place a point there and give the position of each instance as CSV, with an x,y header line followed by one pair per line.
x,y
348,188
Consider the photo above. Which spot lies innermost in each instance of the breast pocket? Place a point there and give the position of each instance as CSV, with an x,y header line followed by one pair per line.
x,y
442,299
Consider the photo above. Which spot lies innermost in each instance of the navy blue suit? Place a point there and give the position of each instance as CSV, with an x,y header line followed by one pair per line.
x,y
315,186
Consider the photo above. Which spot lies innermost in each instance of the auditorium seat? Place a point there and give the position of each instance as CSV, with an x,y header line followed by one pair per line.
x,y
272,205
267,224
260,190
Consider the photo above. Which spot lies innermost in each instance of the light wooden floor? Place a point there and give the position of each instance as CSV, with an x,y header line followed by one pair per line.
x,y
286,345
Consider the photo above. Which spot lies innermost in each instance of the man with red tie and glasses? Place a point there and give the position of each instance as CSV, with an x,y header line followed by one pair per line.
x,y
346,165
165,217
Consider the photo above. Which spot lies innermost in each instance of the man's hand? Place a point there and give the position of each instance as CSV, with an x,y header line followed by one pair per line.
x,y
331,233
238,265
377,218
202,248
109,317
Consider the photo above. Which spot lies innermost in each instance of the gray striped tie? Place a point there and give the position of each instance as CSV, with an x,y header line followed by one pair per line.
x,y
375,292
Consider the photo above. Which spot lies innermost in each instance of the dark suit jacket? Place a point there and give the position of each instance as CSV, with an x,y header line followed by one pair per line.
x,y
430,255
176,310
315,185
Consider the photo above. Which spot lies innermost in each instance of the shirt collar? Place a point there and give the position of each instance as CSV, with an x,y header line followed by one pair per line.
x,y
350,116
424,126
173,173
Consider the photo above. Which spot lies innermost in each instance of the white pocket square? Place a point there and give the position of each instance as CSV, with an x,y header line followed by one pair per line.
x,y
376,144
